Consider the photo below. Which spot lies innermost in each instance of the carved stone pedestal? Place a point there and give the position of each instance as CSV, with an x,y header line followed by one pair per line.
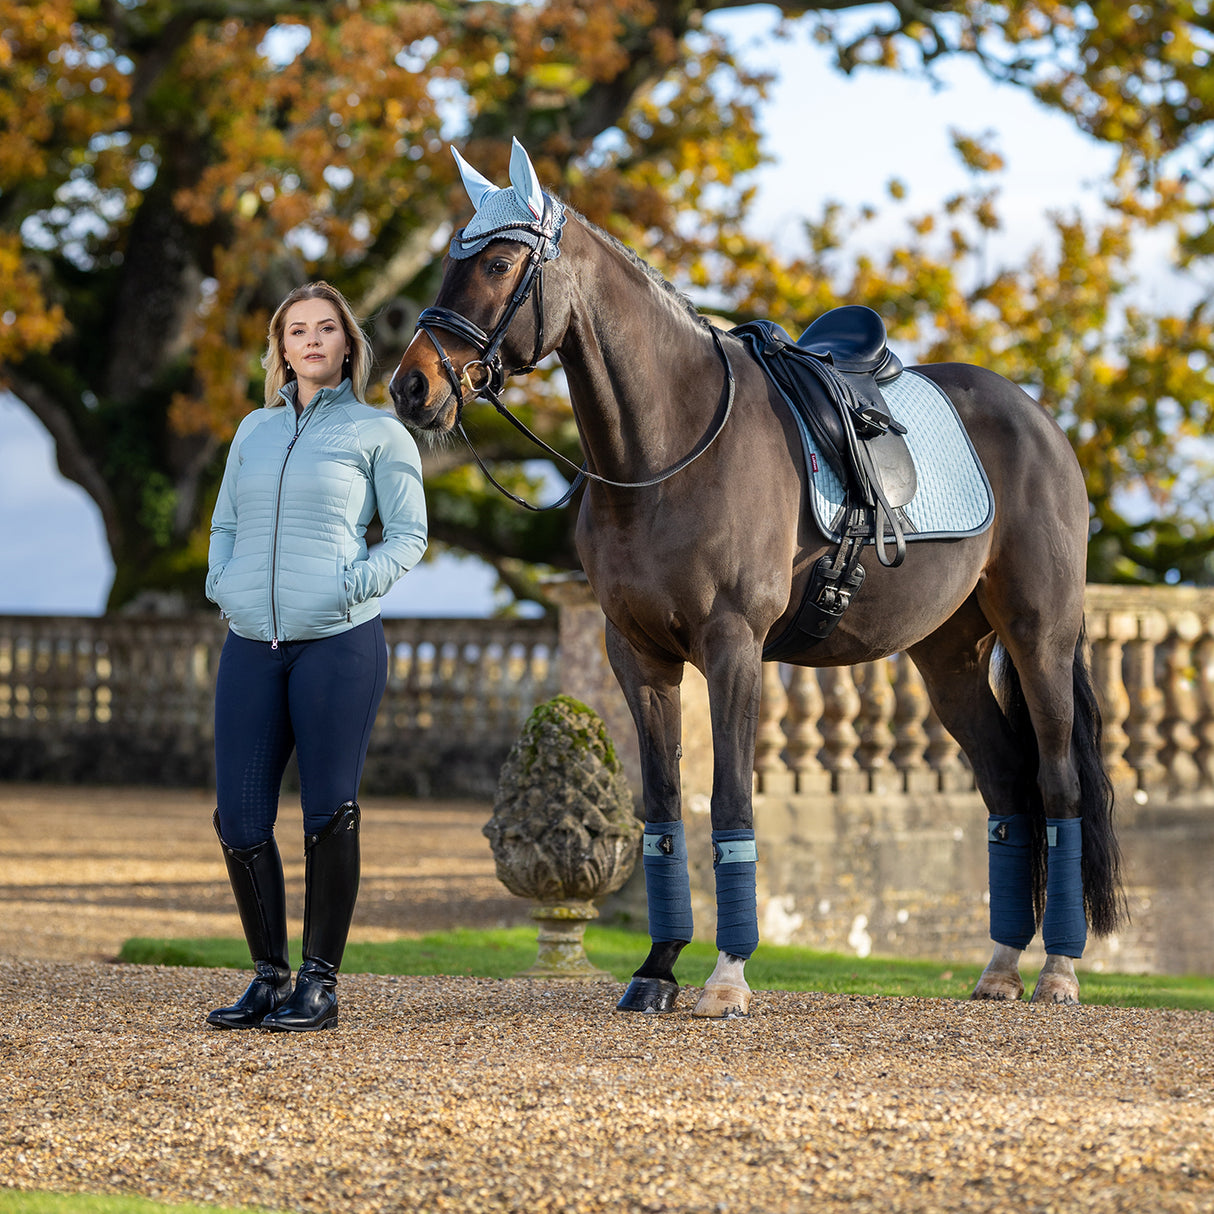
x,y
562,953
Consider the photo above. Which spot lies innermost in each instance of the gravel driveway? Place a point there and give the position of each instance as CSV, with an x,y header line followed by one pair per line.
x,y
463,1094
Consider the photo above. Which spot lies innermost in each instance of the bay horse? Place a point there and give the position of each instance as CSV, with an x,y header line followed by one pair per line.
x,y
695,537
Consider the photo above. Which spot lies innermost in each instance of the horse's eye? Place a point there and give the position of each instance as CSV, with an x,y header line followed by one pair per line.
x,y
499,265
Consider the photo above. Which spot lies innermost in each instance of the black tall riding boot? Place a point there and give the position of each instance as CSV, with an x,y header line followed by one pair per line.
x,y
330,891
256,877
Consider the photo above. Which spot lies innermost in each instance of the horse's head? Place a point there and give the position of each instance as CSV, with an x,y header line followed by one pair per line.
x,y
479,331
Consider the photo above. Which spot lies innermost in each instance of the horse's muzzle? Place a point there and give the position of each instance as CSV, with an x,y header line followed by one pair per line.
x,y
417,405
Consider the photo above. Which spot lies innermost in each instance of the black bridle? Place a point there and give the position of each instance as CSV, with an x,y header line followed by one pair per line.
x,y
493,374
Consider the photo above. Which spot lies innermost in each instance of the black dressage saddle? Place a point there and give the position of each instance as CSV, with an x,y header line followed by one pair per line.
x,y
832,375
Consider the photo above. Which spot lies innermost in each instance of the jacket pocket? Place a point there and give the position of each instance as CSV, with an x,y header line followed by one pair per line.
x,y
217,583
211,589
344,603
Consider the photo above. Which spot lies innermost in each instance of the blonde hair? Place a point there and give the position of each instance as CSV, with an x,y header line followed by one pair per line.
x,y
358,362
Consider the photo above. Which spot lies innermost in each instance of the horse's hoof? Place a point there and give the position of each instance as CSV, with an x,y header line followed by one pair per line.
x,y
1001,988
653,996
723,1003
1056,988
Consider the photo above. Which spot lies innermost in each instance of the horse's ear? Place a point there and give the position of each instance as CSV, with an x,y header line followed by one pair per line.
x,y
476,185
526,183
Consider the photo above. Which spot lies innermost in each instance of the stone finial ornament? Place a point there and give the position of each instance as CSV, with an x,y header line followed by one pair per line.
x,y
563,830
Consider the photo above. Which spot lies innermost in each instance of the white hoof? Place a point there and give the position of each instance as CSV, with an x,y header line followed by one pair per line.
x,y
723,1003
726,995
998,985
1057,983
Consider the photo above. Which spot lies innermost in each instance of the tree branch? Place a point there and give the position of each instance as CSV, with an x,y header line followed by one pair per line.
x,y
71,455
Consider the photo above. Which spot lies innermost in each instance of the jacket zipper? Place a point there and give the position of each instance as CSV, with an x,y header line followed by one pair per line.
x,y
300,422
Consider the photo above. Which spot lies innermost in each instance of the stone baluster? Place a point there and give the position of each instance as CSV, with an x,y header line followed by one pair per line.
x,y
397,696
449,690
1180,704
1146,701
1203,658
772,774
8,692
874,726
1108,633
538,662
479,682
423,680
121,690
483,680
911,709
840,741
805,706
518,681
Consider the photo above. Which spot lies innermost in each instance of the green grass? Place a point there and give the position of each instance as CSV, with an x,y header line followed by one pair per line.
x,y
505,952
14,1202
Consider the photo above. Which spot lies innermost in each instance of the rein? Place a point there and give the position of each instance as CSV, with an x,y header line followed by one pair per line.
x,y
489,362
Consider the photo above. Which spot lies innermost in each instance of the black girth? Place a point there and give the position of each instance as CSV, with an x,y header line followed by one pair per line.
x,y
831,377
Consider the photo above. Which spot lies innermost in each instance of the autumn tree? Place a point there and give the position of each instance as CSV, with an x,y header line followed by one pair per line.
x,y
169,170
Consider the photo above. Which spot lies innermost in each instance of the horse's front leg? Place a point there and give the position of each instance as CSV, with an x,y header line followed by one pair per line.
x,y
733,668
651,688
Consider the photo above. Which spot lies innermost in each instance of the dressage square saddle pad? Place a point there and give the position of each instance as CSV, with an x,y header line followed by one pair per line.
x,y
953,497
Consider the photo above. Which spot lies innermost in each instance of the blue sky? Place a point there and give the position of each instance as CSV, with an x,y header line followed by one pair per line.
x,y
832,138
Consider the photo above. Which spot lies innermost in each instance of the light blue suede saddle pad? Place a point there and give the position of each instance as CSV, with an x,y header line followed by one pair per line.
x,y
953,497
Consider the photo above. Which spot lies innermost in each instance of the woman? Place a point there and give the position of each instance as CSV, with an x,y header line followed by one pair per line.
x,y
305,663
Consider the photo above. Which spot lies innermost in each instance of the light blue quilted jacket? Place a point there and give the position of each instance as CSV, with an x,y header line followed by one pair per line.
x,y
289,558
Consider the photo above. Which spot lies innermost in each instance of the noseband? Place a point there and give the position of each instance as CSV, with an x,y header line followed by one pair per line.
x,y
493,373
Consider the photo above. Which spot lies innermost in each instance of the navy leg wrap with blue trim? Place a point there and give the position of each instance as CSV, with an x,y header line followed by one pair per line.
x,y
1010,871
734,858
1064,929
667,885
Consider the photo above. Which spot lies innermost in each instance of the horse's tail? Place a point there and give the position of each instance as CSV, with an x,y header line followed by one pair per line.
x,y
1103,896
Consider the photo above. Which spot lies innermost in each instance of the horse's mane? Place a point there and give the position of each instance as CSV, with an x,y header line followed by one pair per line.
x,y
654,275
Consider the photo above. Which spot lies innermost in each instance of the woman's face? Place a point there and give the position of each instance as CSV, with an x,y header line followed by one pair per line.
x,y
314,343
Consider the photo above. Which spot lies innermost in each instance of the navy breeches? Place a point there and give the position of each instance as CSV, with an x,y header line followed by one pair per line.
x,y
318,698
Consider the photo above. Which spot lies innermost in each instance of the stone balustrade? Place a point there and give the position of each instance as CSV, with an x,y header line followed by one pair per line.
x,y
122,699
82,696
871,729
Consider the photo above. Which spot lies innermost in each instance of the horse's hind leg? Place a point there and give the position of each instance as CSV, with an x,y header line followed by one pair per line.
x,y
1037,726
651,688
954,663
1040,701
1050,703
